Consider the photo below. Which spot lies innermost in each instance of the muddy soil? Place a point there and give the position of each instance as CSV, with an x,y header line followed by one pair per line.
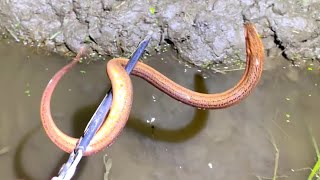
x,y
202,32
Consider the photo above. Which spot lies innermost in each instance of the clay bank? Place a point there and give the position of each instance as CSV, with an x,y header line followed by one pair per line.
x,y
202,32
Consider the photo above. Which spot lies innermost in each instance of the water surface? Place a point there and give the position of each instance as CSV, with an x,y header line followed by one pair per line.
x,y
164,139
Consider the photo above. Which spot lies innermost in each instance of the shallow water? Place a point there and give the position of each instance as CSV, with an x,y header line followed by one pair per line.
x,y
163,139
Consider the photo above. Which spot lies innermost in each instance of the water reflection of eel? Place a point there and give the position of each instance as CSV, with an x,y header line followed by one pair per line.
x,y
122,94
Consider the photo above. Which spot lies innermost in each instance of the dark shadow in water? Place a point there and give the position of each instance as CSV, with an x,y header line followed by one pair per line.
x,y
83,115
198,122
19,165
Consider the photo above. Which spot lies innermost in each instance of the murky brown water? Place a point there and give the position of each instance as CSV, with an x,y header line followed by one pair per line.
x,y
164,139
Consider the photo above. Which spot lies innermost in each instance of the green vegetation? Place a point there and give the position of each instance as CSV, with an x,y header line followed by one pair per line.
x,y
152,10
315,170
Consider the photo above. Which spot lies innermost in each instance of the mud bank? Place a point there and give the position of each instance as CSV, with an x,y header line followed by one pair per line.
x,y
202,32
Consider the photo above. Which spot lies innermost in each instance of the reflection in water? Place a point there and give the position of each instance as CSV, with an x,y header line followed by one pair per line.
x,y
18,164
164,139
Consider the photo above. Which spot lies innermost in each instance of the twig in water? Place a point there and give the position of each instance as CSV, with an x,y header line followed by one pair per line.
x,y
276,161
261,177
301,169
107,164
277,152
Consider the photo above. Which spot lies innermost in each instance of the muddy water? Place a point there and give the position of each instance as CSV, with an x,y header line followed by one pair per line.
x,y
163,139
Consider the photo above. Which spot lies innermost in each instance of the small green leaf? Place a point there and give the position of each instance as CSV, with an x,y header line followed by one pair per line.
x,y
152,10
310,68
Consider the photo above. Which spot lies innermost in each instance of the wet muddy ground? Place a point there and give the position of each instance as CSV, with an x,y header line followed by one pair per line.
x,y
163,139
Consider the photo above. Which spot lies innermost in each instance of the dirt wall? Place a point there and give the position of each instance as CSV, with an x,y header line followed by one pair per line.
x,y
201,31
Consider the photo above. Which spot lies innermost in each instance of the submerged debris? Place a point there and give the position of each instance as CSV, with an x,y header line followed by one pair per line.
x,y
27,91
107,164
4,150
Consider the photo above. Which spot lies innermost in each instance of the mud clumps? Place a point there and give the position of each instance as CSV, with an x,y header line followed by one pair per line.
x,y
202,32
